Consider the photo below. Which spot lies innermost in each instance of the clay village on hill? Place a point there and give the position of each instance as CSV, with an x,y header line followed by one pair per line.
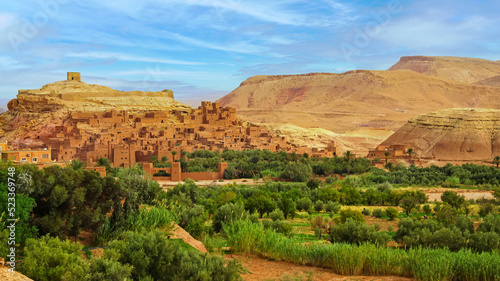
x,y
127,138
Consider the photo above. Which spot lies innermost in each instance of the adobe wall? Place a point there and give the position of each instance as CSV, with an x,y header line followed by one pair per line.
x,y
100,170
201,176
178,175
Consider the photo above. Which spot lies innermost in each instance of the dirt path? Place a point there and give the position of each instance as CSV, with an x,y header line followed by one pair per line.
x,y
263,269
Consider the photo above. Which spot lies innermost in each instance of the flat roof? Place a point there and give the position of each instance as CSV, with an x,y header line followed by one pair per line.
x,y
37,150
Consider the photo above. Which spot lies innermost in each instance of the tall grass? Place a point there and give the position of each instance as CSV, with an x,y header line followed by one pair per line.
x,y
368,259
146,218
150,218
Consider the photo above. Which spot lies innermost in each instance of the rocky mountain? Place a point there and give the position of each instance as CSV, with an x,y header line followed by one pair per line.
x,y
452,134
364,103
467,70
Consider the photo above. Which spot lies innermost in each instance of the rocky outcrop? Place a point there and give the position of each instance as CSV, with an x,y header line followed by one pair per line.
x,y
79,96
50,105
452,134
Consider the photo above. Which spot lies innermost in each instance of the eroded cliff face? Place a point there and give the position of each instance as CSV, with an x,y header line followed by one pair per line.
x,y
452,134
79,96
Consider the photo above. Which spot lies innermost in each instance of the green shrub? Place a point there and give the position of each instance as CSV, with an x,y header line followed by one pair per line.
x,y
350,213
283,227
303,204
319,206
331,179
154,257
298,172
108,268
313,183
333,207
230,173
267,223
50,259
354,232
378,213
277,215
366,212
228,213
391,213
427,209
486,209
193,220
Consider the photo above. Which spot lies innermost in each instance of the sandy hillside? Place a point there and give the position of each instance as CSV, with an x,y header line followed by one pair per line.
x,y
355,103
452,134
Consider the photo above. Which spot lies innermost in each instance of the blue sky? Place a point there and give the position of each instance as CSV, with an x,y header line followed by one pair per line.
x,y
203,49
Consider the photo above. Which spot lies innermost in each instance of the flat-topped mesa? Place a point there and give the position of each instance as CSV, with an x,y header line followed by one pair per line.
x,y
76,95
466,70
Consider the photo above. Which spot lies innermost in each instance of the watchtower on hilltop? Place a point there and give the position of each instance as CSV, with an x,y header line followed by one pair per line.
x,y
74,76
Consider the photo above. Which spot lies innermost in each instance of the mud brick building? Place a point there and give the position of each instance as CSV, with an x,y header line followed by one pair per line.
x,y
128,138
396,153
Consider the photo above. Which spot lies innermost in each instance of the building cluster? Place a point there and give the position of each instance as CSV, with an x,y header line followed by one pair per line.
x,y
129,138
393,154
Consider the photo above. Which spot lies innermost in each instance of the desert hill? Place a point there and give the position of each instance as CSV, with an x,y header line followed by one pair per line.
x,y
452,134
80,96
40,110
344,102
467,70
360,100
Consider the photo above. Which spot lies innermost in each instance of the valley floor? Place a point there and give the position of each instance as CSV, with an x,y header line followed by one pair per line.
x,y
264,269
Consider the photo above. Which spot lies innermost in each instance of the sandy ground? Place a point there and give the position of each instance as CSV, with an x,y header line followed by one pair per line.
x,y
8,276
264,269
168,184
435,194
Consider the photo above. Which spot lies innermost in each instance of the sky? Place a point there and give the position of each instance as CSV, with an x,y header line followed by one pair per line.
x,y
203,49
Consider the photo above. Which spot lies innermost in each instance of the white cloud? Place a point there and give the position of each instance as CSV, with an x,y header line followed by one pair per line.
x,y
240,47
126,57
426,32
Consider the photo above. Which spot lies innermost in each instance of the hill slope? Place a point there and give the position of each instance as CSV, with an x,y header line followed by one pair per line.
x,y
492,82
347,101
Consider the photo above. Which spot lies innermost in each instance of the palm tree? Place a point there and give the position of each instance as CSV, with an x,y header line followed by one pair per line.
x,y
348,155
387,154
410,152
496,160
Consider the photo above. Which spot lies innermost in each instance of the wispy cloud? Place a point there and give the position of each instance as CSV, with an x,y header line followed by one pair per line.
x,y
210,46
127,57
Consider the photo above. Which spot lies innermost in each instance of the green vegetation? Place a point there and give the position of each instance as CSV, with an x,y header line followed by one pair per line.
x,y
368,259
346,222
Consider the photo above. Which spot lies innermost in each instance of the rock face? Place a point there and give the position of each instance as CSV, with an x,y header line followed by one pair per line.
x,y
452,134
79,96
467,70
48,106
